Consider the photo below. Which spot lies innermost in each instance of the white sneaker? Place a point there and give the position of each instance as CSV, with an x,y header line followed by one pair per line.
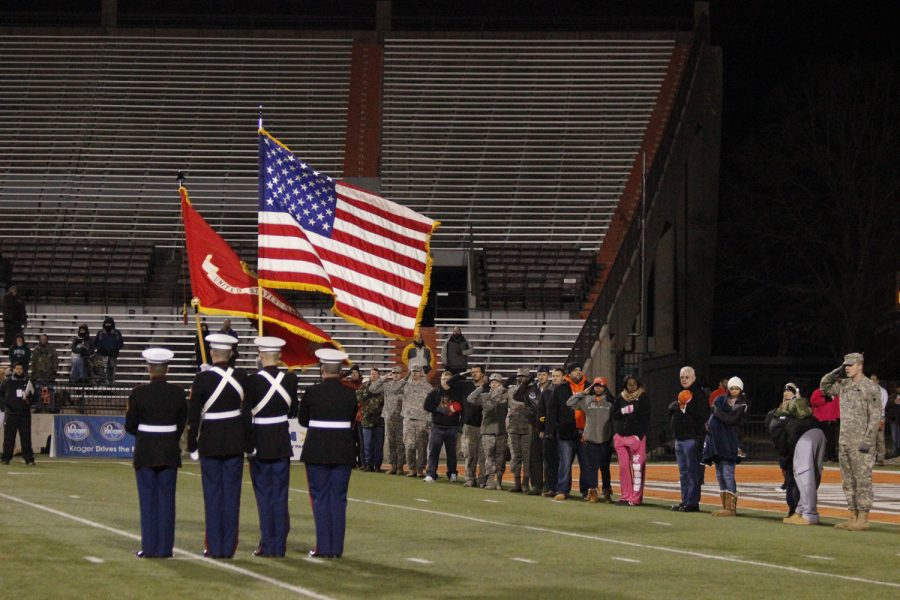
x,y
429,479
453,478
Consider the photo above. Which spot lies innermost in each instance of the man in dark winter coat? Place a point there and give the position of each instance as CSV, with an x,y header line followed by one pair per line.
x,y
107,344
689,414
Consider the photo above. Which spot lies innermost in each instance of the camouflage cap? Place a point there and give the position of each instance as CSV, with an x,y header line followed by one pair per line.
x,y
396,369
522,372
496,377
853,358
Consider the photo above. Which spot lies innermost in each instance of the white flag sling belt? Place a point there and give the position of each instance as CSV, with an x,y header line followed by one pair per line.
x,y
274,386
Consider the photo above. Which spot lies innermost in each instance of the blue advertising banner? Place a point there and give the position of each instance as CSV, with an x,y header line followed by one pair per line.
x,y
79,435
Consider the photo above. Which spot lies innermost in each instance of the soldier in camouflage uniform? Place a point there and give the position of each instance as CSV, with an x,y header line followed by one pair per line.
x,y
392,387
494,404
471,418
518,429
860,418
416,421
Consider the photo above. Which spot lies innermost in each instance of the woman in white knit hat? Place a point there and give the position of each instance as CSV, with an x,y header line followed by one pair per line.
x,y
722,443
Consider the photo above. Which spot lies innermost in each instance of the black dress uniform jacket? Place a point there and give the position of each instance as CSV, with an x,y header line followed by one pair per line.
x,y
328,401
14,401
273,440
156,403
219,437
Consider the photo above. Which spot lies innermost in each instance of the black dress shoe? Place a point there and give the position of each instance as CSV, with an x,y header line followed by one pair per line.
x,y
315,554
206,553
139,554
259,553
690,508
677,508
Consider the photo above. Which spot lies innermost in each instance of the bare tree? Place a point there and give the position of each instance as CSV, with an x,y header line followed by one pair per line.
x,y
809,242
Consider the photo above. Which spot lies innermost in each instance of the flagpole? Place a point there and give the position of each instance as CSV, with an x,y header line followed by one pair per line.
x,y
261,159
195,302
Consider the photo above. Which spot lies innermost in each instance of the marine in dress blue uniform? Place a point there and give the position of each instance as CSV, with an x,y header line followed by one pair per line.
x,y
156,416
327,411
271,398
218,436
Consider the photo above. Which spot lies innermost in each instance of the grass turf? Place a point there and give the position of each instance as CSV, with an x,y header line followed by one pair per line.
x,y
478,544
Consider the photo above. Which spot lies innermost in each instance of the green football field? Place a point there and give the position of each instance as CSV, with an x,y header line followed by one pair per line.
x,y
68,529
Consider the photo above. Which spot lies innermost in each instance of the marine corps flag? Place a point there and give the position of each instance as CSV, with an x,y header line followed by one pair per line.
x,y
222,285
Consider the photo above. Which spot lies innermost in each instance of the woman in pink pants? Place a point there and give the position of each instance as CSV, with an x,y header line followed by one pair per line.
x,y
631,419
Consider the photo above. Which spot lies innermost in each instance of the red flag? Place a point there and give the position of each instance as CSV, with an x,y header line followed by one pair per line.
x,y
222,285
317,234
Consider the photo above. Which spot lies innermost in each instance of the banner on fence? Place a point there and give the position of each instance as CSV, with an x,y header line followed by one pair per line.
x,y
96,436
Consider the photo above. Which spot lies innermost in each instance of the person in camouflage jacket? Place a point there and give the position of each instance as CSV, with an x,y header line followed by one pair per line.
x,y
371,404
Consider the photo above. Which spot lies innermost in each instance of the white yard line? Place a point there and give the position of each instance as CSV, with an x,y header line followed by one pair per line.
x,y
492,501
301,591
524,560
422,500
421,561
597,538
94,559
623,559
663,523
816,557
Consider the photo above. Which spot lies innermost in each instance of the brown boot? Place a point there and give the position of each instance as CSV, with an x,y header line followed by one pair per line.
x,y
592,496
729,505
607,496
861,523
717,513
517,486
848,524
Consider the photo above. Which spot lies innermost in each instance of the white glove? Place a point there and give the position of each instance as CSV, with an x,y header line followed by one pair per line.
x,y
195,455
205,367
627,410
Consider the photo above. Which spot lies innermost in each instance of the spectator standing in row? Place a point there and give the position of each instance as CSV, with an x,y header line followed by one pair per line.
x,y
445,405
19,352
494,406
16,395
880,449
371,407
567,426
391,387
827,411
530,395
549,442
82,349
892,418
45,363
108,344
631,421
456,352
722,390
15,317
416,421
518,429
860,418
722,443
596,402
227,330
689,413
418,354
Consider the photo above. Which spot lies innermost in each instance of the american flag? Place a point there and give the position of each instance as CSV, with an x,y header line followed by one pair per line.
x,y
318,234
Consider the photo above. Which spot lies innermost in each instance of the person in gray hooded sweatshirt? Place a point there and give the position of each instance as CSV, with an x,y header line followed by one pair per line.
x,y
597,402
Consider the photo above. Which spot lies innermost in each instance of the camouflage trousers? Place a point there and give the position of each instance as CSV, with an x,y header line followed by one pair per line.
x,y
879,445
473,453
520,453
856,475
393,429
494,447
415,439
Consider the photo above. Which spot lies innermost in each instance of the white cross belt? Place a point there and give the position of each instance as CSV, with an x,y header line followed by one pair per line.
x,y
217,416
329,424
157,428
270,420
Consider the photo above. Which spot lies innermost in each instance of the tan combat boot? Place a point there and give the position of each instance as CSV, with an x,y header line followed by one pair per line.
x,y
849,522
592,496
607,496
861,523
